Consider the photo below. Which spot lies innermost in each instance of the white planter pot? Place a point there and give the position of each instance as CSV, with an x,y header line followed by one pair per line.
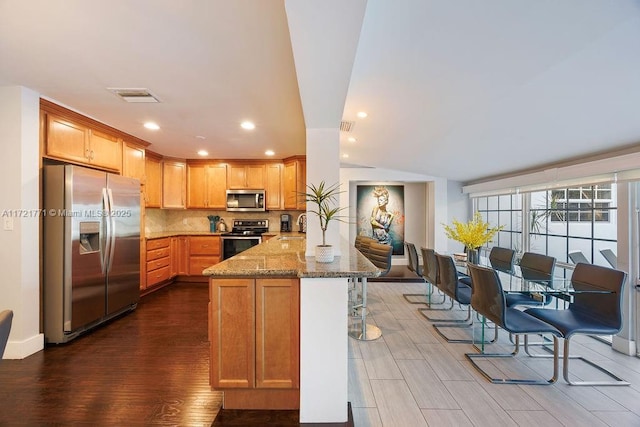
x,y
324,253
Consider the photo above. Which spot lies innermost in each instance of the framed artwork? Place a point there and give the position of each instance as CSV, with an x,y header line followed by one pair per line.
x,y
380,214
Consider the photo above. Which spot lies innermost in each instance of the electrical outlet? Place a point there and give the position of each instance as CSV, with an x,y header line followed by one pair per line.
x,y
184,221
8,223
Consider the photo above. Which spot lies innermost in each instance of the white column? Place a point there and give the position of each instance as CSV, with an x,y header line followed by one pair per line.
x,y
323,164
323,350
19,187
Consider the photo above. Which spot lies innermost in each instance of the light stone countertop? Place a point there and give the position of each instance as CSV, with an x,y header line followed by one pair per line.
x,y
161,234
285,257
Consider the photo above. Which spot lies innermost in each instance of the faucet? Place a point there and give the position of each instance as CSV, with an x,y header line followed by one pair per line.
x,y
302,222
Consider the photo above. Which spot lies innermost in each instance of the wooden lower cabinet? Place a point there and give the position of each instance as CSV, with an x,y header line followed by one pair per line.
x,y
158,261
204,251
254,329
184,256
179,255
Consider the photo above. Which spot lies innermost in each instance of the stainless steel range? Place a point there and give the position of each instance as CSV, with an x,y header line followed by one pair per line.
x,y
244,234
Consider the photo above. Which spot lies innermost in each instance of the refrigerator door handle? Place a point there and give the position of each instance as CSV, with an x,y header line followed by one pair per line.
x,y
112,233
104,251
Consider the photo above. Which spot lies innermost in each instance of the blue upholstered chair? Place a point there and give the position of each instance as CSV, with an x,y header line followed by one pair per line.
x,y
457,291
596,309
488,300
534,267
414,265
431,275
502,259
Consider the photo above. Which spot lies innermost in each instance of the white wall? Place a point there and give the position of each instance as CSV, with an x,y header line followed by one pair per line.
x,y
19,190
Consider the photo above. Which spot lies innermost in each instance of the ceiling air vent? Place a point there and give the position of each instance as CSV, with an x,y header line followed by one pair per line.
x,y
135,95
347,126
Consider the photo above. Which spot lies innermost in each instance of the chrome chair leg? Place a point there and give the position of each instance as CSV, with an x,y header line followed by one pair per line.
x,y
423,311
365,332
427,297
566,356
565,370
472,356
469,324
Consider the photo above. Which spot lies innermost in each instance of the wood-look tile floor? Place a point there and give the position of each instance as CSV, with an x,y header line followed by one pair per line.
x,y
151,368
412,377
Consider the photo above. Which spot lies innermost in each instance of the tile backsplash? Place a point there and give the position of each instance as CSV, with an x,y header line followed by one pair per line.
x,y
159,220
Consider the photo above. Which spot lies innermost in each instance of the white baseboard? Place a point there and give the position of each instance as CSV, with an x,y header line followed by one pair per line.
x,y
624,345
22,349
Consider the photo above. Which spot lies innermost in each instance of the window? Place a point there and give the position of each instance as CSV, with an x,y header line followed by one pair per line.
x,y
582,204
559,221
503,210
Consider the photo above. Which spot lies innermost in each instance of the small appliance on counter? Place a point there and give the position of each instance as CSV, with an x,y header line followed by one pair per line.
x,y
302,223
285,222
222,226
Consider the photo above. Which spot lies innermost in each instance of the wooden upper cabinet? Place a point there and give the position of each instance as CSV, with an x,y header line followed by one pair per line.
x,y
68,140
206,185
217,186
105,150
196,186
249,175
153,183
273,186
295,182
133,161
174,180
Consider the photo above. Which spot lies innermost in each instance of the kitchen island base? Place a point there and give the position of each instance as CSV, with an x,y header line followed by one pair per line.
x,y
261,399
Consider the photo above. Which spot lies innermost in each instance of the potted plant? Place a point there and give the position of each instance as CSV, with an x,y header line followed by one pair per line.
x,y
324,198
472,234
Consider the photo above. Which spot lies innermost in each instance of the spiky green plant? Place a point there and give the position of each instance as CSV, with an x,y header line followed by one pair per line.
x,y
324,197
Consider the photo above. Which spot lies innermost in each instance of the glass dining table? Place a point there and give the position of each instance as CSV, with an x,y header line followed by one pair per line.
x,y
552,291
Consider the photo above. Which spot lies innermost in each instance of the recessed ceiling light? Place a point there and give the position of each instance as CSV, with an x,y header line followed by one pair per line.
x,y
203,153
362,114
200,137
269,152
247,125
345,156
351,139
151,125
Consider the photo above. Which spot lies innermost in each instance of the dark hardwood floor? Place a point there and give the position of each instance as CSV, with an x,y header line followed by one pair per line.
x,y
150,367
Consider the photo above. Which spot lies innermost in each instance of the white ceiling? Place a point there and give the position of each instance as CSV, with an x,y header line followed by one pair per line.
x,y
462,89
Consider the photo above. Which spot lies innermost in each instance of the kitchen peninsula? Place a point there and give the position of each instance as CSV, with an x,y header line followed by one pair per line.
x,y
278,328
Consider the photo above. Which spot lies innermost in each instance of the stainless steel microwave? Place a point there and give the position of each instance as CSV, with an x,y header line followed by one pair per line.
x,y
245,201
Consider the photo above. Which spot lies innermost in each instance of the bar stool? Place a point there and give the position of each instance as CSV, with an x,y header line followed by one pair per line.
x,y
380,256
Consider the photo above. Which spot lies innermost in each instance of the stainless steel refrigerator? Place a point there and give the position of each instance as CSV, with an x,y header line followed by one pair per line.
x,y
91,242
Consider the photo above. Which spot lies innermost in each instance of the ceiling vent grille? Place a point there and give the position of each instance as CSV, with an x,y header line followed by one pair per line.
x,y
135,95
347,126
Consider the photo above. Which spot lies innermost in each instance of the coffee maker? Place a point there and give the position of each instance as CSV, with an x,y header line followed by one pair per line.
x,y
285,222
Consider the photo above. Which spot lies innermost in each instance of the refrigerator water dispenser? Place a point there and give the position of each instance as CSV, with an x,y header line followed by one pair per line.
x,y
89,237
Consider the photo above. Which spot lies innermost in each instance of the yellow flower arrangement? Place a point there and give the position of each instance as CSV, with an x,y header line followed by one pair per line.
x,y
472,234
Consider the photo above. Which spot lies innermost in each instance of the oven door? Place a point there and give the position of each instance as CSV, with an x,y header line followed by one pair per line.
x,y
233,245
